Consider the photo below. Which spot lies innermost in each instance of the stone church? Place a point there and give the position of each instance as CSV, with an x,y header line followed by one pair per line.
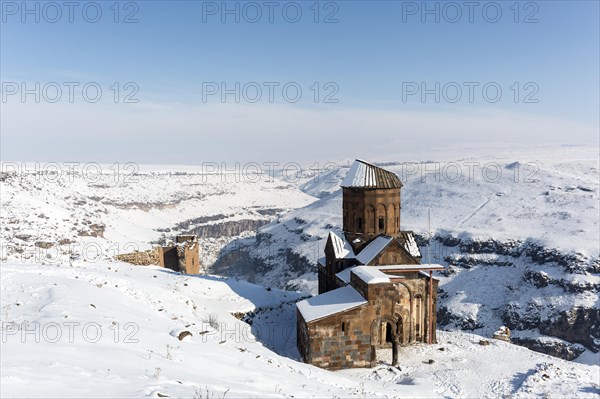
x,y
374,292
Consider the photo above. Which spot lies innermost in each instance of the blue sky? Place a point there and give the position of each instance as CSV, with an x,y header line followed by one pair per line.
x,y
370,57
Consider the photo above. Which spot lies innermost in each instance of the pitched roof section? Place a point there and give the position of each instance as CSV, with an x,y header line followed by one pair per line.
x,y
336,301
374,248
383,274
365,175
341,247
410,244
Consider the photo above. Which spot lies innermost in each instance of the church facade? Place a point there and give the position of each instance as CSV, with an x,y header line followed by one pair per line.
x,y
373,290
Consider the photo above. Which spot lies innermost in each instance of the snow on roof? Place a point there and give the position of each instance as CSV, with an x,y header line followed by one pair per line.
x,y
422,266
344,275
425,274
363,174
341,248
370,274
336,301
377,274
373,249
322,261
411,245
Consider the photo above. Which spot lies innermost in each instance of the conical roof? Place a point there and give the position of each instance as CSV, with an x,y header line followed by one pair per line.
x,y
365,175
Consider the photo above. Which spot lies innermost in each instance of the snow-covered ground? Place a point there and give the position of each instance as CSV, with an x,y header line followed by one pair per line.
x,y
52,210
111,330
526,220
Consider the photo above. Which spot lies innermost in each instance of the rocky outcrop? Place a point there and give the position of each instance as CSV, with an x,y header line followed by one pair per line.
x,y
556,348
580,325
446,317
540,267
229,228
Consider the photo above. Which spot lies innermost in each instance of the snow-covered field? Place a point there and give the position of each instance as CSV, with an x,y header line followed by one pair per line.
x,y
111,330
518,230
53,210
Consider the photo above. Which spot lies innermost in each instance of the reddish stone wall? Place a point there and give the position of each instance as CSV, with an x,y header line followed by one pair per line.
x,y
189,259
348,339
394,255
362,209
338,341
397,311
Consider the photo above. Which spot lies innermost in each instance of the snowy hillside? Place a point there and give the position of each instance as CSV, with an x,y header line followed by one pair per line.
x,y
519,233
112,330
52,211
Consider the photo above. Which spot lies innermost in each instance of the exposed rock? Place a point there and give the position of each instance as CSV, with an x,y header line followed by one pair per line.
x,y
94,230
188,224
184,334
516,318
229,228
446,317
538,278
555,348
580,325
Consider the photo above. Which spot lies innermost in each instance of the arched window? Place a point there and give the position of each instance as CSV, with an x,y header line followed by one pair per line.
x,y
381,223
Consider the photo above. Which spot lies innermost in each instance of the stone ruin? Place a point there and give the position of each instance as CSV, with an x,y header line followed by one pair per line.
x,y
181,256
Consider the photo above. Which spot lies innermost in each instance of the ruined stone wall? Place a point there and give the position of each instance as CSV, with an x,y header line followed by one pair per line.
x,y
168,257
189,258
140,258
337,342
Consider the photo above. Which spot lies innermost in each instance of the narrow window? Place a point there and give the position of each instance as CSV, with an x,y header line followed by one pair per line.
x,y
381,223
359,223
343,327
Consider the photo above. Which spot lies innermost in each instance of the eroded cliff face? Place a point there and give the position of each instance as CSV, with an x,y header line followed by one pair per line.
x,y
533,290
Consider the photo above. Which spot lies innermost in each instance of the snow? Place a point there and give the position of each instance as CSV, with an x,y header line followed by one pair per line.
x,y
368,253
419,267
364,174
344,275
331,302
411,245
360,175
375,274
136,209
225,357
370,274
341,248
553,203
